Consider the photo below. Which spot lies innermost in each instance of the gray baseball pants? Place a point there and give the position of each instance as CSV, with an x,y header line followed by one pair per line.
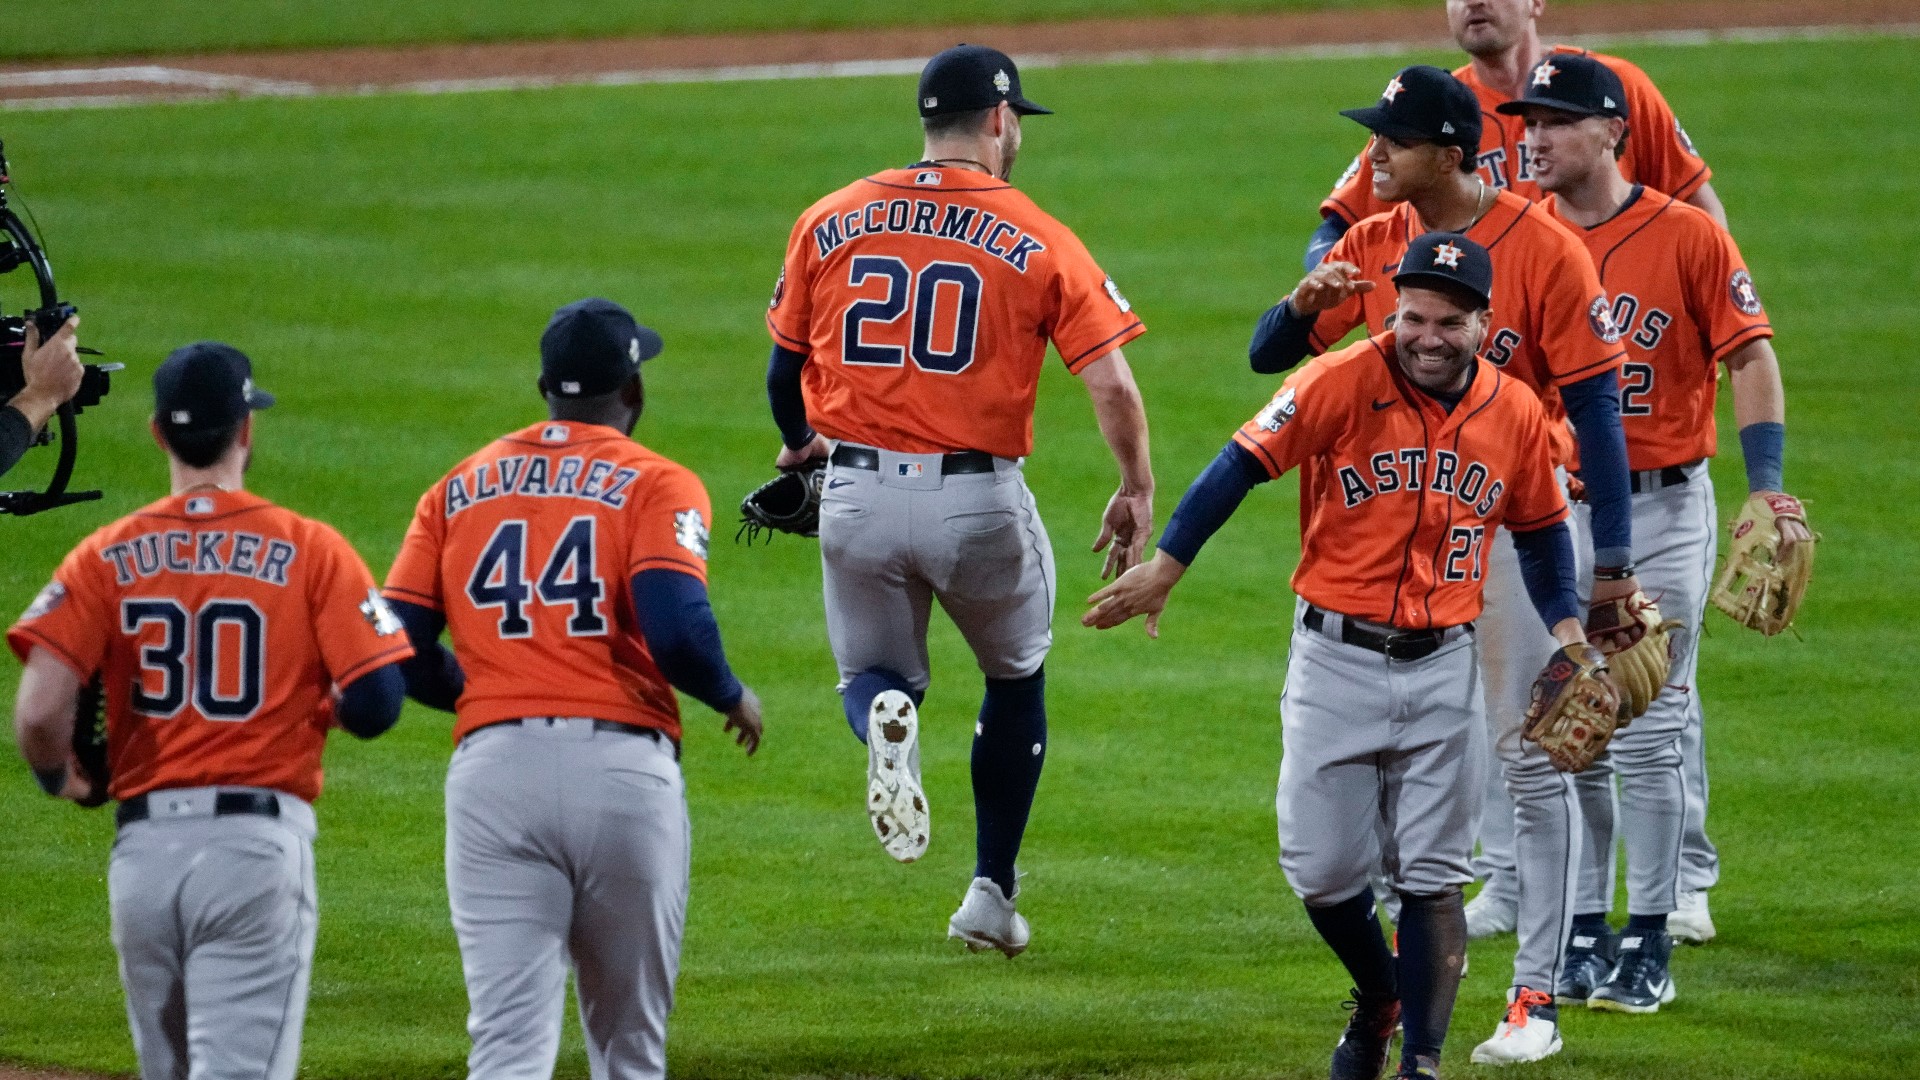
x,y
566,846
1545,812
213,918
1381,765
896,538
1673,542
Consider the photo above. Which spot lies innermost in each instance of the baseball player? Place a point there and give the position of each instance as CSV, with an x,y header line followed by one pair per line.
x,y
570,566
228,634
1503,39
1685,303
1552,331
910,322
1412,452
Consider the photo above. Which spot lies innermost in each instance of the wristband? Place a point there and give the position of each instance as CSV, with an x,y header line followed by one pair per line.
x,y
1613,573
54,780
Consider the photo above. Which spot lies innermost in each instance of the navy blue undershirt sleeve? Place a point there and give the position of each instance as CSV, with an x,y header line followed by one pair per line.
x,y
1279,340
677,622
433,677
370,704
1212,498
1593,404
1546,565
16,437
1764,447
784,397
1332,228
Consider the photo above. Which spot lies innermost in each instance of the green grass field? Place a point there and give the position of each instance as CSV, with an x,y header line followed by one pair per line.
x,y
47,28
389,262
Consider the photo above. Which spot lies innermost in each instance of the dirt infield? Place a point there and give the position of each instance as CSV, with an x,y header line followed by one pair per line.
x,y
443,68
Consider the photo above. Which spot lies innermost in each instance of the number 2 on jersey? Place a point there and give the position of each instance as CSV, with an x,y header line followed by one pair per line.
x,y
922,295
499,579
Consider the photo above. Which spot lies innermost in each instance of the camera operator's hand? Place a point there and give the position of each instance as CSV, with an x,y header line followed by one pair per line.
x,y
53,372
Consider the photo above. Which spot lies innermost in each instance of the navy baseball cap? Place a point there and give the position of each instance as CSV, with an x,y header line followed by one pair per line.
x,y
205,386
1448,259
1572,82
592,347
1424,102
969,77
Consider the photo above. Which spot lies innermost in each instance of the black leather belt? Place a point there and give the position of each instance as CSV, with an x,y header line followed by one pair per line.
x,y
1654,479
224,803
614,726
1399,645
1641,481
954,464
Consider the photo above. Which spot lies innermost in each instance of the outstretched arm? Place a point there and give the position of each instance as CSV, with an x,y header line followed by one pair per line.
x,y
1128,521
1208,503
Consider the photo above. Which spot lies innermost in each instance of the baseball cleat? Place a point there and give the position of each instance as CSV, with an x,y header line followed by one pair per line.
x,y
896,803
1530,1031
1589,960
1640,981
1362,1051
1489,914
1690,922
986,920
1420,1068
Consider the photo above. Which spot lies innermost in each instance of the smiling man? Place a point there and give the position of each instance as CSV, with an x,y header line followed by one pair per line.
x,y
1551,329
1413,451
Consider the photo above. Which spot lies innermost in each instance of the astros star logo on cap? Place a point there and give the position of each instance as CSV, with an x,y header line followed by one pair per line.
x,y
1447,255
1393,90
1543,75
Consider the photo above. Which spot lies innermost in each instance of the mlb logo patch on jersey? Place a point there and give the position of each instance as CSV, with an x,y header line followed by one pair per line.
x,y
379,615
1744,296
199,506
554,433
1600,318
912,470
927,179
1278,411
690,531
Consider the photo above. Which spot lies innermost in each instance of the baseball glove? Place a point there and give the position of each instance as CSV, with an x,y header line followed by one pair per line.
x,y
90,741
1759,588
788,503
1575,708
1637,644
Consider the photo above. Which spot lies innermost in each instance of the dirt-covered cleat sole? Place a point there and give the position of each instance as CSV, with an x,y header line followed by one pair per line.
x,y
896,802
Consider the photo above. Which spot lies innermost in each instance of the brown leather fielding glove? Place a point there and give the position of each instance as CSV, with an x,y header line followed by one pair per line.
x,y
1757,586
1575,708
1637,644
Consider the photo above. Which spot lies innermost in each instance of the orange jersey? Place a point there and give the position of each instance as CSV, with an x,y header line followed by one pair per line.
x,y
1659,153
1684,301
529,548
219,624
924,299
1399,496
1551,321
